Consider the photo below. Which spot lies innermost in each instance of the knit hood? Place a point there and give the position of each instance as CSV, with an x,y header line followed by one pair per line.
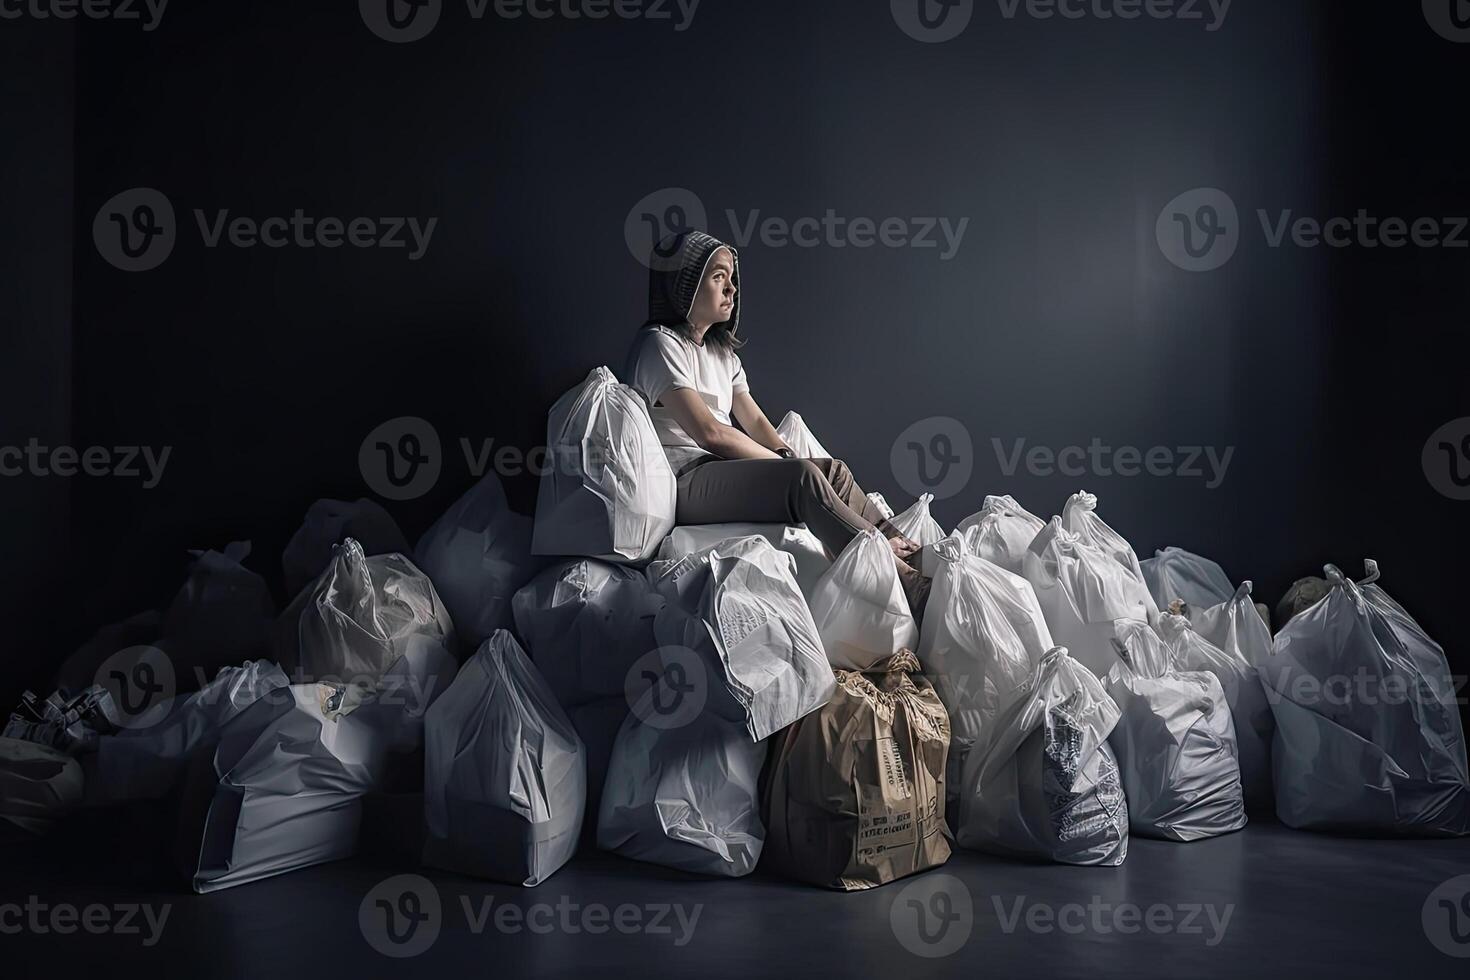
x,y
677,267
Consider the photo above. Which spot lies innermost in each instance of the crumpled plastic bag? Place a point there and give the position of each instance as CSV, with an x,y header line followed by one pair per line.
x,y
1047,787
855,792
69,723
1250,712
794,539
1174,573
1079,516
505,775
686,797
738,606
983,636
585,623
1236,626
38,786
917,525
477,555
327,524
608,491
354,622
794,432
1082,591
859,606
221,616
1000,532
1368,734
1175,742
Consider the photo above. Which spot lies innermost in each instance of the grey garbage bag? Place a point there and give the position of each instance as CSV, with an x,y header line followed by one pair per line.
x,y
1368,733
1303,595
477,555
1000,532
1250,712
355,620
1175,742
685,797
794,539
505,775
69,723
284,787
38,786
1174,573
327,524
738,605
585,623
221,616
1047,787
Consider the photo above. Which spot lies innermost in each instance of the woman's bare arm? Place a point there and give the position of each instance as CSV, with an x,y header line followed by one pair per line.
x,y
712,435
754,421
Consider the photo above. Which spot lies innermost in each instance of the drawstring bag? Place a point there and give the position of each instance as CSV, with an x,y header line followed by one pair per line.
x,y
1047,787
799,438
585,623
983,636
1174,573
1368,733
855,792
1175,742
327,524
1236,626
38,786
916,524
1082,592
1001,532
477,555
1250,712
607,491
859,606
505,775
221,616
794,539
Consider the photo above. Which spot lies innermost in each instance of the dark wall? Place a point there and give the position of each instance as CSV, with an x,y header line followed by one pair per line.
x,y
1058,320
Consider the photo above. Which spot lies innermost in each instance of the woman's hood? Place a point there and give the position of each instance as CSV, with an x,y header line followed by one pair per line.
x,y
676,268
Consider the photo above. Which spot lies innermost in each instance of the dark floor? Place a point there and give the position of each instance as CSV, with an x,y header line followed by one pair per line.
x,y
1298,905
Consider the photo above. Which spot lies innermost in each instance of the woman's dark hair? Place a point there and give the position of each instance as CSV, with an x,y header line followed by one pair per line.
x,y
720,334
676,270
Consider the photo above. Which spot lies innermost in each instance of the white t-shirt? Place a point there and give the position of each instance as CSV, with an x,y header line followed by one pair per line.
x,y
661,360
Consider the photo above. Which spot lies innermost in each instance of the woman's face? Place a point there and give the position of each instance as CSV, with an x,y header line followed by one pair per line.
x,y
715,301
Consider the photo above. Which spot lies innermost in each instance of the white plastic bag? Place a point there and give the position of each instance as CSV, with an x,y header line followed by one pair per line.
x,y
584,624
1250,712
1079,516
685,798
505,775
794,539
1000,532
477,555
1047,787
740,608
355,621
1175,742
859,606
916,524
799,438
1236,627
1082,592
1368,734
327,524
881,503
1174,573
608,491
983,636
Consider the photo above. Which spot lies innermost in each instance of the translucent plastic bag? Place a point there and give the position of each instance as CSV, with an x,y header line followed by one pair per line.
x,y
1080,517
608,492
1047,787
916,524
1175,742
799,438
505,775
1368,734
794,539
859,606
1001,532
221,616
327,524
1174,573
1236,627
585,623
983,636
1082,592
477,555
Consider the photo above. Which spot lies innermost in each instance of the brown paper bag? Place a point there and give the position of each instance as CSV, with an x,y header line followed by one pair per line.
x,y
855,792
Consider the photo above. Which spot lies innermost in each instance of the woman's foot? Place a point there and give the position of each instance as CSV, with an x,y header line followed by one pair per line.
x,y
902,546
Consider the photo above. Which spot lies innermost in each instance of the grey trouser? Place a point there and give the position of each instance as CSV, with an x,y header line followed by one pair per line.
x,y
820,493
